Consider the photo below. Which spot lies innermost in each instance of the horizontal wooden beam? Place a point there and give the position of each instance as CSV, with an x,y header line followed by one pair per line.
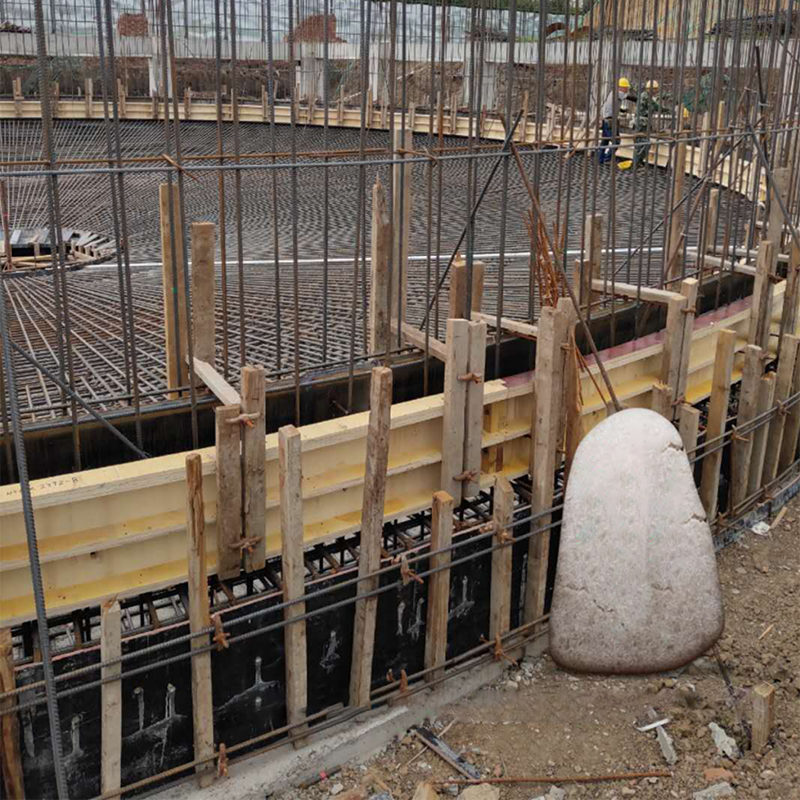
x,y
416,337
218,386
523,329
646,293
122,530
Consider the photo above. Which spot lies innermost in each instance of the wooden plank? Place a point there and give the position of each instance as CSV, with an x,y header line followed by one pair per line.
x,y
402,210
689,427
673,350
438,586
199,619
689,289
742,445
593,263
548,389
572,404
473,420
791,426
766,394
763,715
415,336
775,225
293,572
646,293
203,289
783,390
761,312
229,491
675,245
661,401
111,699
254,468
522,329
379,315
369,559
219,387
455,398
9,723
717,415
459,282
500,600
711,220
789,314
173,280
88,93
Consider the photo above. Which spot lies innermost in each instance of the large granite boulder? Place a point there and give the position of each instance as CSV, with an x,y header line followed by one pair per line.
x,y
637,588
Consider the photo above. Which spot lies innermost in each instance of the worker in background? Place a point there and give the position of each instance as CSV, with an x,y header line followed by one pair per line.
x,y
648,104
612,106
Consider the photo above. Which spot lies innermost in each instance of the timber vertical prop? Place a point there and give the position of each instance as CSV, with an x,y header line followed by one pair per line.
x,y
199,619
548,408
175,326
111,699
675,247
791,297
293,571
503,516
689,427
229,491
369,559
791,426
763,699
593,263
9,723
717,416
455,400
438,585
783,390
459,288
203,289
403,178
761,313
473,417
742,444
766,395
254,467
379,311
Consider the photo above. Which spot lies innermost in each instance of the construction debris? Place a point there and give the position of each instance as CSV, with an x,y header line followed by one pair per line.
x,y
725,744
713,792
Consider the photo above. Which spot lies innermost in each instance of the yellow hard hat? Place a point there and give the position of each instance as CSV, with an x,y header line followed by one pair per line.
x,y
685,113
624,83
625,164
651,85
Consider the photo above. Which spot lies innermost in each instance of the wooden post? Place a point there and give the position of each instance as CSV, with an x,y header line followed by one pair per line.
x,y
783,390
774,234
789,314
677,343
18,97
500,608
9,723
688,427
742,444
340,109
111,698
763,715
254,468
175,329
711,221
187,103
675,250
199,618
369,559
293,572
4,213
88,96
401,222
523,123
766,394
473,421
689,289
122,94
459,275
438,585
203,290
717,415
761,311
791,425
572,404
455,398
661,400
593,264
379,313
229,491
548,408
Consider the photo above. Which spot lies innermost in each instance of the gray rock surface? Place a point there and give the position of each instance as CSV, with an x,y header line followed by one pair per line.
x,y
713,792
637,588
726,745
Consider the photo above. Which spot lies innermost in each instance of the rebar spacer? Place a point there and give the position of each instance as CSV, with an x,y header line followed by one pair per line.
x,y
220,637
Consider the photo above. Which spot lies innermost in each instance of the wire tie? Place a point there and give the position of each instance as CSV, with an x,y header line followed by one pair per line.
x,y
246,544
475,377
738,437
467,475
499,653
178,167
782,409
408,574
244,419
221,640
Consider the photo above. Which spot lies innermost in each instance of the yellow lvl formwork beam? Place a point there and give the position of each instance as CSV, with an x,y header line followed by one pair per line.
x,y
122,530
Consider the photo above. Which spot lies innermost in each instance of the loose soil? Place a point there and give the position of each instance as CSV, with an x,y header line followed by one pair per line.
x,y
542,721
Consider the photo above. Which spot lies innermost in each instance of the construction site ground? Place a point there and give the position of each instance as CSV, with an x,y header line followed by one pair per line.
x,y
540,720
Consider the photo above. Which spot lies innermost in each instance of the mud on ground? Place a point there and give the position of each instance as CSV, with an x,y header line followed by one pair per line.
x,y
542,721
